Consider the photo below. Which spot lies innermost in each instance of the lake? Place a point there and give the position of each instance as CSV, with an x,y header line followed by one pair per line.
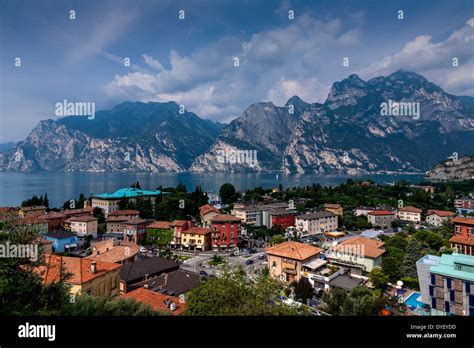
x,y
16,187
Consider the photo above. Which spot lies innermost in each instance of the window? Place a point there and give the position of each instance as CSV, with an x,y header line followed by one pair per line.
x,y
468,288
446,306
433,302
433,279
448,283
458,230
451,295
469,232
431,290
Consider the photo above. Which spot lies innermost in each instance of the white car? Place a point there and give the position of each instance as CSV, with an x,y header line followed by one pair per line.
x,y
142,249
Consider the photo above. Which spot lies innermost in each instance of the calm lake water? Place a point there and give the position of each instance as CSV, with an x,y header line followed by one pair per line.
x,y
16,187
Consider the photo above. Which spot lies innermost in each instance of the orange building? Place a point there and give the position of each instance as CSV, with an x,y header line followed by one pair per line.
x,y
463,240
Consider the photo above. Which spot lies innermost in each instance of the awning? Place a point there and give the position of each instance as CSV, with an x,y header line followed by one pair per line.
x,y
314,264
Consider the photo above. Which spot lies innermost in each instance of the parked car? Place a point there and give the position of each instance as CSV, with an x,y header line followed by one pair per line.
x,y
142,249
261,257
203,273
248,262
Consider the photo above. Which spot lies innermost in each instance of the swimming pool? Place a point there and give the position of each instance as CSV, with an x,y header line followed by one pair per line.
x,y
412,300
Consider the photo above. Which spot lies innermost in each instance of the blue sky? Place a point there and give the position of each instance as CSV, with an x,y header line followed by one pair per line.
x,y
191,61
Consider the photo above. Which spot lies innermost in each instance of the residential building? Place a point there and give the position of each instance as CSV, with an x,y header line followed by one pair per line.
x,y
286,260
134,230
36,221
175,283
358,253
447,283
381,218
283,217
334,208
317,223
439,217
206,213
248,214
83,226
63,241
464,205
366,210
462,241
226,231
178,227
116,219
113,251
410,214
108,202
159,302
35,209
140,270
126,214
159,233
196,238
90,277
55,221
77,212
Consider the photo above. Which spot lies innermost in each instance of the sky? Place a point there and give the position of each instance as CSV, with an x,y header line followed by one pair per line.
x,y
193,60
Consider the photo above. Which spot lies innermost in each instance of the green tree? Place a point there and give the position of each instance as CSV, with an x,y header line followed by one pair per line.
x,y
378,278
335,301
232,295
303,290
277,239
414,252
227,193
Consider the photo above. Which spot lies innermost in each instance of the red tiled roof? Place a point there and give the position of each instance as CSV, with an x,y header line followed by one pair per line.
x,y
381,212
293,250
84,218
80,269
69,212
124,212
224,217
461,240
462,220
411,209
179,223
371,247
207,208
54,215
156,300
160,224
441,213
198,230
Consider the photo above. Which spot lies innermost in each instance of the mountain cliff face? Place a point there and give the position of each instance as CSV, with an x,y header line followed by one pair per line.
x,y
350,134
399,123
453,170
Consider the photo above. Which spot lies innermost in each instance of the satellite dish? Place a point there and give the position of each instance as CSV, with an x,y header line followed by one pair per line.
x,y
400,283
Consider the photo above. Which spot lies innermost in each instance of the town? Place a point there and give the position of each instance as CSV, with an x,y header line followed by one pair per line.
x,y
319,250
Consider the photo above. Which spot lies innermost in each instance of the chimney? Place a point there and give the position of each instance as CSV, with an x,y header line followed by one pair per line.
x,y
93,266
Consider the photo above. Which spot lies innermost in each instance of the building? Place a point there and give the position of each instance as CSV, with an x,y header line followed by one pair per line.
x,y
464,205
381,218
63,241
90,277
283,217
410,214
176,283
35,209
206,213
226,231
78,212
159,233
83,226
358,253
116,219
140,270
159,302
113,251
447,283
196,238
366,210
334,208
178,227
462,241
286,260
248,214
35,221
109,202
317,223
439,217
134,230
55,221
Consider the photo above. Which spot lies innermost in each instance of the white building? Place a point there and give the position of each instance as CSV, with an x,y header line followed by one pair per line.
x,y
316,223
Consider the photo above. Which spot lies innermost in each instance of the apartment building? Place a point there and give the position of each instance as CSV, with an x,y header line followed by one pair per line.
x,y
463,241
410,214
439,217
381,218
316,223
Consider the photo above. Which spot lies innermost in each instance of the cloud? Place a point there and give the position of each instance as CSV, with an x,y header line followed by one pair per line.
x,y
274,64
434,60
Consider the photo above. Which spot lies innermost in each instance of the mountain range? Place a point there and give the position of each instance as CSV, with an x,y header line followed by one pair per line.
x,y
348,133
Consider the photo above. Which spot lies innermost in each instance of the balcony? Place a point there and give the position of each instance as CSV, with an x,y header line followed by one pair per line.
x,y
289,271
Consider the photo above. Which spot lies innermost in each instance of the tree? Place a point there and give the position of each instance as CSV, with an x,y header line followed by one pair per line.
x,y
46,200
378,278
414,252
227,193
232,295
334,301
276,239
392,263
303,290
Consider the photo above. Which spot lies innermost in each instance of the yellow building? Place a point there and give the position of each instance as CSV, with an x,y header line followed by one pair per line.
x,y
95,278
334,208
196,238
